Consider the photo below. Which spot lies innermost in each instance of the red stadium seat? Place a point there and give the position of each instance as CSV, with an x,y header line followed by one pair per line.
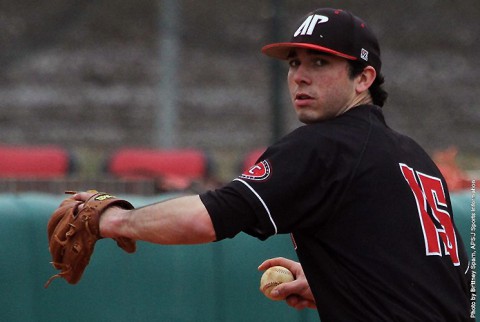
x,y
34,162
176,168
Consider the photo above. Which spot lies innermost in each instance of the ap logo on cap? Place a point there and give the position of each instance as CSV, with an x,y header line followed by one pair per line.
x,y
309,24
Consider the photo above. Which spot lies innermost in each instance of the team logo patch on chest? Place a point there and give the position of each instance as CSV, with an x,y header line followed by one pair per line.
x,y
259,172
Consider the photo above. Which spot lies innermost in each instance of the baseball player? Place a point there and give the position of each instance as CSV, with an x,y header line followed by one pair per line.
x,y
368,211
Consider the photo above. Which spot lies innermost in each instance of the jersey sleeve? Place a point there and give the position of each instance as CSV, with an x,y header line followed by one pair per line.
x,y
230,212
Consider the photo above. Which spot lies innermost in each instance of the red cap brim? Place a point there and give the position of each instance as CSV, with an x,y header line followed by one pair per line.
x,y
282,50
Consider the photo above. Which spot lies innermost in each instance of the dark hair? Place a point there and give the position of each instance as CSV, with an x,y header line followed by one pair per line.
x,y
378,93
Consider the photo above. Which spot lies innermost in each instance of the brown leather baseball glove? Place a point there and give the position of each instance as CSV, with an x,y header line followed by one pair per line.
x,y
72,234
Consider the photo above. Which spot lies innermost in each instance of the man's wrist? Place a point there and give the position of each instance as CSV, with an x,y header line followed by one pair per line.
x,y
111,222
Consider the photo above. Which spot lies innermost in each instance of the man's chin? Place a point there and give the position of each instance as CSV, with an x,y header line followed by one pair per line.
x,y
308,118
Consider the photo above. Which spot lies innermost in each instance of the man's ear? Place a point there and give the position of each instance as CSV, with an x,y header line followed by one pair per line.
x,y
365,79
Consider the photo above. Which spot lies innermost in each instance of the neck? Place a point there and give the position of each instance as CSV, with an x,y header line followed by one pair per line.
x,y
362,99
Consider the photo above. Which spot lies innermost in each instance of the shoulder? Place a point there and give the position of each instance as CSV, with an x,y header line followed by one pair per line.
x,y
346,127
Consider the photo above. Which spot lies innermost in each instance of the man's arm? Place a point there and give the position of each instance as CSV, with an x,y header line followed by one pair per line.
x,y
183,220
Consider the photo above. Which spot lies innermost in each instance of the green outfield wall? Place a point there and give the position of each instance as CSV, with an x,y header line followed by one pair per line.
x,y
213,282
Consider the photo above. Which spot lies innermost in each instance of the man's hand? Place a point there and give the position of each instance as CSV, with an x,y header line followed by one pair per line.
x,y
298,294
83,196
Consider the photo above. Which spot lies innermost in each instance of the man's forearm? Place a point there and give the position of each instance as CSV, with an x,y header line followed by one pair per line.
x,y
183,220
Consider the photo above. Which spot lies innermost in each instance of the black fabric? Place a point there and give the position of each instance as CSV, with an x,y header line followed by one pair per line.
x,y
340,187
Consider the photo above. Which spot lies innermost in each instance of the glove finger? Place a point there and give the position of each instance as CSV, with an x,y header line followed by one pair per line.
x,y
78,259
127,244
59,214
78,249
54,220
68,202
61,234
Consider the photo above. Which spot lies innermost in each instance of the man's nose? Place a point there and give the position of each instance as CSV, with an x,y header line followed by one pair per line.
x,y
301,75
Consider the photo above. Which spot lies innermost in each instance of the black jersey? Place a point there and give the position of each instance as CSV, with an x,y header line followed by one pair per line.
x,y
370,216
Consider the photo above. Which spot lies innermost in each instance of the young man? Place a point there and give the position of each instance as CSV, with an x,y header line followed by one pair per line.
x,y
368,210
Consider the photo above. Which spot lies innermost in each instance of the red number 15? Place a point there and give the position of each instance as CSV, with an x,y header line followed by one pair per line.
x,y
429,193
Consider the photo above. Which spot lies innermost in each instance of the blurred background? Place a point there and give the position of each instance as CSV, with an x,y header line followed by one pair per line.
x,y
96,76
149,97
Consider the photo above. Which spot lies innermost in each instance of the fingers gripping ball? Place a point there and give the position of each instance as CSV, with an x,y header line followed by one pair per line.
x,y
73,231
273,277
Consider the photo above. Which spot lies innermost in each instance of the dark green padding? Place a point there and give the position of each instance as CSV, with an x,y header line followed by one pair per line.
x,y
214,282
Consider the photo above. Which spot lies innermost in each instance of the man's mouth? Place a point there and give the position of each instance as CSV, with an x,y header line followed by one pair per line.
x,y
302,96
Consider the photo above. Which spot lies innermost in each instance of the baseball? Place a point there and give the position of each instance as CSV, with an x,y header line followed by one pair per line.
x,y
272,277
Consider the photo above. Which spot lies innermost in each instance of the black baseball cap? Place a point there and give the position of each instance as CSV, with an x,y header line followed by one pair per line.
x,y
332,31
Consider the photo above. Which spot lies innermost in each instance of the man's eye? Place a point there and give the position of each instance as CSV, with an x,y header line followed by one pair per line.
x,y
293,63
320,62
